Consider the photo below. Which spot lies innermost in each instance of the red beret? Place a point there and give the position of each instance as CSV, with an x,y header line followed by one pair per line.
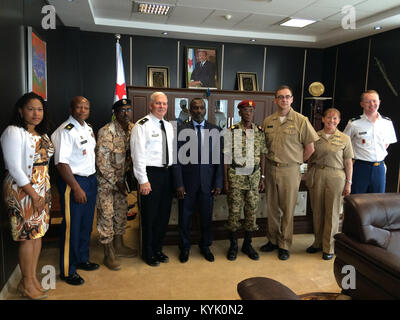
x,y
247,103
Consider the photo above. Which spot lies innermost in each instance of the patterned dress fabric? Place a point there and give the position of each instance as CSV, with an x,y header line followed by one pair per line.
x,y
25,224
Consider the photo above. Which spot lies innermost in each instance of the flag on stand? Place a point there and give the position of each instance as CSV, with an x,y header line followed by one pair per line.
x,y
120,87
191,63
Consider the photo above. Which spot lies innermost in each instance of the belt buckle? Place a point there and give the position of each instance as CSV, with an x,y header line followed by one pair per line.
x,y
376,164
277,164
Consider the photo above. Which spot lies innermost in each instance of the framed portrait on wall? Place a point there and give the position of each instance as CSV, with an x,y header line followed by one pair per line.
x,y
247,81
37,64
201,67
157,77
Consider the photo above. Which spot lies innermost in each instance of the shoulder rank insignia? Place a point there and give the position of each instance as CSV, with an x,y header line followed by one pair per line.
x,y
260,128
69,126
143,121
356,118
89,125
235,126
387,118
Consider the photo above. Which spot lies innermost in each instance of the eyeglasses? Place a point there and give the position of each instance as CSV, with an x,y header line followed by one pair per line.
x,y
284,97
125,110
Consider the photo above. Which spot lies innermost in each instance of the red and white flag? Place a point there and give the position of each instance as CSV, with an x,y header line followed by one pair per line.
x,y
120,87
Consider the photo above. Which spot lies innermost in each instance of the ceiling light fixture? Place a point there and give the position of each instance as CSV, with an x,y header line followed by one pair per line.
x,y
253,40
151,8
164,33
377,27
296,23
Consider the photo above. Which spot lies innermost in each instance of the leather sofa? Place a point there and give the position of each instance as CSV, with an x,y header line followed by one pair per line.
x,y
370,242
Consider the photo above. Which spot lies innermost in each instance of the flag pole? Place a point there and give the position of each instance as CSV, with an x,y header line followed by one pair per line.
x,y
117,36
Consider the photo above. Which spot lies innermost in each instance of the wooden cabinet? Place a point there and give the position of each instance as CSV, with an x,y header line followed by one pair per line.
x,y
221,105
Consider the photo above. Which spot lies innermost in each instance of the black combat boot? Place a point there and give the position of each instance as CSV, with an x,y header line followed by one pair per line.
x,y
233,249
247,248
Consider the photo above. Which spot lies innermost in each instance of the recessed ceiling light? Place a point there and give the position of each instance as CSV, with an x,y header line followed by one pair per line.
x,y
151,8
297,23
164,33
253,40
377,27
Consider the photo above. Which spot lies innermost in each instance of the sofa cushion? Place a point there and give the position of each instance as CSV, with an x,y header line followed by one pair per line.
x,y
374,218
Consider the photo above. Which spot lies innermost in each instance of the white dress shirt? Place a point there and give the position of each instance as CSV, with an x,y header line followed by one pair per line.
x,y
75,147
147,145
369,139
18,147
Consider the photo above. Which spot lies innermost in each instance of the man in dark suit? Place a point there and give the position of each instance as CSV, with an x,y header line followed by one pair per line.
x,y
203,74
198,177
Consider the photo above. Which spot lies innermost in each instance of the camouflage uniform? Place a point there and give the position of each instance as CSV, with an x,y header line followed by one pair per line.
x,y
243,186
112,163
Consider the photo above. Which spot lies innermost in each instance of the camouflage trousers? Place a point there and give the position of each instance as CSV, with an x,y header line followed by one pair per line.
x,y
112,207
246,199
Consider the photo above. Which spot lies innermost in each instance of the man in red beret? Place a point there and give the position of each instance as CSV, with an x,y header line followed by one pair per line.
x,y
244,151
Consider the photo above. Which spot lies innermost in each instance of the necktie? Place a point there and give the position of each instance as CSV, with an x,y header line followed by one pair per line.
x,y
198,143
165,145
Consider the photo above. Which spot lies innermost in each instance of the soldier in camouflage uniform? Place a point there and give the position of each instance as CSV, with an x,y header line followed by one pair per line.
x,y
112,161
244,166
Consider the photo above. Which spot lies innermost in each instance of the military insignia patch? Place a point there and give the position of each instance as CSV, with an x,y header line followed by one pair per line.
x,y
69,126
143,121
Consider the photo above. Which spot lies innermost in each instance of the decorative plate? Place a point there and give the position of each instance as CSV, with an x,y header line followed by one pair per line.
x,y
316,89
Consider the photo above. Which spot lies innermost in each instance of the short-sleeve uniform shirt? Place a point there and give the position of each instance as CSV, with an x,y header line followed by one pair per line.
x,y
286,141
369,138
332,151
75,145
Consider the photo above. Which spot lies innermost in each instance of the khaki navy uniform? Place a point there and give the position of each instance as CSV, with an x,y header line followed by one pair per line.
x,y
112,160
325,180
243,186
285,145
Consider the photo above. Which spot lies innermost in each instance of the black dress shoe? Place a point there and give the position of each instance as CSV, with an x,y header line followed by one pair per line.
x,y
283,254
206,252
184,256
327,256
88,266
152,261
74,280
268,247
311,249
161,257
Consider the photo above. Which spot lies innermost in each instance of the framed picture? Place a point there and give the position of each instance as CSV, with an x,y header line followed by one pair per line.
x,y
247,81
157,77
37,64
201,67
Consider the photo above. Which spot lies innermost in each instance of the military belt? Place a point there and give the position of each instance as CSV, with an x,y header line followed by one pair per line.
x,y
234,166
321,166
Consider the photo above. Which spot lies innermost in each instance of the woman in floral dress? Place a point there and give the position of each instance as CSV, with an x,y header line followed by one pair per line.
x,y
27,150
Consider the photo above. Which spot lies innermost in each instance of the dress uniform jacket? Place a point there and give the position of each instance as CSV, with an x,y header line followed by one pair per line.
x,y
285,145
75,146
325,181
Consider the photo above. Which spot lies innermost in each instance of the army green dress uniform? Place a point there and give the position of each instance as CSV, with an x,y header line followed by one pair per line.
x,y
285,144
325,180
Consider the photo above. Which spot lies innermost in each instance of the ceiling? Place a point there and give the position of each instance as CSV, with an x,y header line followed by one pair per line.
x,y
250,19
